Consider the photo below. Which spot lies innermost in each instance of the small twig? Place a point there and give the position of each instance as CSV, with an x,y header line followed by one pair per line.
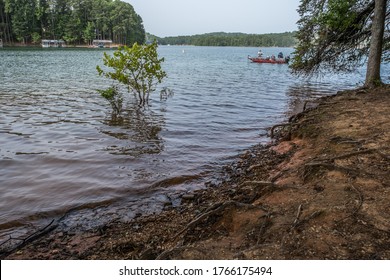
x,y
313,215
253,167
299,212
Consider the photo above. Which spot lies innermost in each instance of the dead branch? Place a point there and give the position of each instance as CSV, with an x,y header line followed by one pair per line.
x,y
30,238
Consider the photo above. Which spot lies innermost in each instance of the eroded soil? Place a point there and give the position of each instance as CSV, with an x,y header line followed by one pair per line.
x,y
321,191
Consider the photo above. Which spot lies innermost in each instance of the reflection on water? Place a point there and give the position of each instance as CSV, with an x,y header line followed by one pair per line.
x,y
138,128
61,148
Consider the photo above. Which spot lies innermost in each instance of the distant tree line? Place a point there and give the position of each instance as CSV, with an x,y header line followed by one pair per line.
x,y
286,39
74,21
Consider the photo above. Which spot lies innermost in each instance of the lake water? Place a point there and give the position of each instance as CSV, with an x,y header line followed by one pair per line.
x,y
61,149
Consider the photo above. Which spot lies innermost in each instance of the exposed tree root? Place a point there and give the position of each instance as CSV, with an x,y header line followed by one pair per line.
x,y
361,200
331,166
215,209
283,125
263,228
261,188
327,163
368,151
259,183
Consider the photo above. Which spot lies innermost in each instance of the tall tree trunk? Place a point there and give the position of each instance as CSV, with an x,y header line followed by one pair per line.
x,y
3,22
373,75
9,28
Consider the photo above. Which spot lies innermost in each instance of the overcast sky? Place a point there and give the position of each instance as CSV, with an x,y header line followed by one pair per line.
x,y
188,17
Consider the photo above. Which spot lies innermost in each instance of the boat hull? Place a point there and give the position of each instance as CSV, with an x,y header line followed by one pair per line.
x,y
269,61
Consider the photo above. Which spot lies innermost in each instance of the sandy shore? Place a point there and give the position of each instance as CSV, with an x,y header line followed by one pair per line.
x,y
320,191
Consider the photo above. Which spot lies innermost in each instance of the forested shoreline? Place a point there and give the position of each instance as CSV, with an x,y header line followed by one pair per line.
x,y
286,39
78,22
74,21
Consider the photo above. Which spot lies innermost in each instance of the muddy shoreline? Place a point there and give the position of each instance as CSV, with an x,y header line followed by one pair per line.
x,y
320,191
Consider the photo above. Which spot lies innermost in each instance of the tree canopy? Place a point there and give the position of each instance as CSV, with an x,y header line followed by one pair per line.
x,y
75,21
338,35
231,39
138,68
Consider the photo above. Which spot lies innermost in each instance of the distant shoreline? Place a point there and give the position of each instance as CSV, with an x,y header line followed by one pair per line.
x,y
38,46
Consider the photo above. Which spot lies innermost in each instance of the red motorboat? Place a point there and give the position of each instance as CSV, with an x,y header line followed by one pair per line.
x,y
269,60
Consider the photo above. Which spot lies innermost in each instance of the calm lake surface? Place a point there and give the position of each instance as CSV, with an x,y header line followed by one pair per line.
x,y
61,149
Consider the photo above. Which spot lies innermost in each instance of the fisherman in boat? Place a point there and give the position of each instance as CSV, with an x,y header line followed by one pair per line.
x,y
280,55
260,54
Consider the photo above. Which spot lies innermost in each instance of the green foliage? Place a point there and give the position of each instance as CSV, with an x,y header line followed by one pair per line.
x,y
115,98
75,21
138,67
231,39
89,33
35,38
335,35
